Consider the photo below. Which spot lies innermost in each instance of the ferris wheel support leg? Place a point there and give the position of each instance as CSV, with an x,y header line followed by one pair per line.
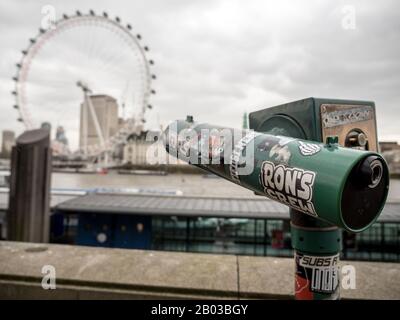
x,y
96,122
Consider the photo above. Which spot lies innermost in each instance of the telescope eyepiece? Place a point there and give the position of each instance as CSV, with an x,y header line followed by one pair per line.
x,y
365,192
371,172
377,172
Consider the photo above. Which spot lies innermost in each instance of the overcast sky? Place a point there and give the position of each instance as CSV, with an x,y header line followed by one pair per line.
x,y
217,59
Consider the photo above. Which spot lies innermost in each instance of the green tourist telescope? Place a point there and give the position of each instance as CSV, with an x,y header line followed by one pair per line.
x,y
342,186
326,186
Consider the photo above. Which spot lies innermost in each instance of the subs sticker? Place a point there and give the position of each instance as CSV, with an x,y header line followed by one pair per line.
x,y
290,186
316,275
308,149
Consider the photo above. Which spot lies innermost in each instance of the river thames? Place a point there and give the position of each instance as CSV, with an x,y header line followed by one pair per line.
x,y
188,184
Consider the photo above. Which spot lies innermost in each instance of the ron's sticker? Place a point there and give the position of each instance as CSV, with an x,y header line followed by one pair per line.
x,y
291,186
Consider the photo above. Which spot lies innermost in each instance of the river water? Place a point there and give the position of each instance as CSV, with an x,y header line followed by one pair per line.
x,y
188,184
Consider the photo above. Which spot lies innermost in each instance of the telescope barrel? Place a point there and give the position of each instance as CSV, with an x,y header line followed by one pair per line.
x,y
343,186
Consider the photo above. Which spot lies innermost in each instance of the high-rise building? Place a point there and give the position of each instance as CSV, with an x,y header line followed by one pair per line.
x,y
60,144
60,135
245,123
7,143
106,110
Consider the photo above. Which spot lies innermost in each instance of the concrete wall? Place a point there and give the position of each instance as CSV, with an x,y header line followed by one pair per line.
x,y
100,273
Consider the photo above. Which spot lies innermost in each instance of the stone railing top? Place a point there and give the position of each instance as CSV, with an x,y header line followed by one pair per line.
x,y
139,273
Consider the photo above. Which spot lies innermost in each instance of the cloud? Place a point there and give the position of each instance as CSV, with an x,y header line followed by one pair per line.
x,y
218,59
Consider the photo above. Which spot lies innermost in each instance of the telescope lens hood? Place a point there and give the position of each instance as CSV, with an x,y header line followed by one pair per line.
x,y
364,192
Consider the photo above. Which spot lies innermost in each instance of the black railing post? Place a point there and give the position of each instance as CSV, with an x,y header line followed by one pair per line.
x,y
28,216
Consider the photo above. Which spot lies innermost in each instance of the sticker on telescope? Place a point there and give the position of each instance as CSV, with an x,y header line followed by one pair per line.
x,y
276,147
291,186
218,140
308,149
185,145
316,274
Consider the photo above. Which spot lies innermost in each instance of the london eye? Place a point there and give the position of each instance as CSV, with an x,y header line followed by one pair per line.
x,y
79,56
